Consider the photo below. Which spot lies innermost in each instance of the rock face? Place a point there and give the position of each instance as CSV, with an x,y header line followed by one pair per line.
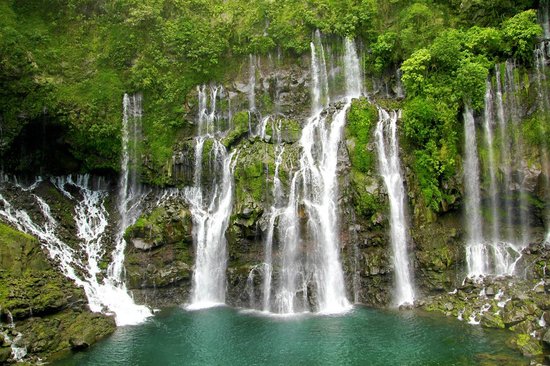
x,y
51,313
45,313
158,255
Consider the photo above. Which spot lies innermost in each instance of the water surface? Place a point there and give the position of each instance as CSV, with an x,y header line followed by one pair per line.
x,y
226,336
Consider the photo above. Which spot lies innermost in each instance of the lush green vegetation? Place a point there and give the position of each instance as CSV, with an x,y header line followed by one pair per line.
x,y
74,59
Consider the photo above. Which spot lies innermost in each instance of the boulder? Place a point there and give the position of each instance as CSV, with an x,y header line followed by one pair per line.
x,y
490,320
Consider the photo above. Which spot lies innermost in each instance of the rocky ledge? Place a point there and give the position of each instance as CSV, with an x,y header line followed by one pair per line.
x,y
521,306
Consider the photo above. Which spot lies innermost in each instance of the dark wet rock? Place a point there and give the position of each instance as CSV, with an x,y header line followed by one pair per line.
x,y
546,337
5,354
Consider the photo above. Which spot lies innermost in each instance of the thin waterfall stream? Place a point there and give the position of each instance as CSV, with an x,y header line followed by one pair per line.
x,y
390,170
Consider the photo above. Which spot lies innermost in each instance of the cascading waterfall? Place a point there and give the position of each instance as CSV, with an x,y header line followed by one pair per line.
x,y
79,264
494,253
91,219
475,248
129,189
210,206
390,170
488,134
129,198
253,115
502,249
505,150
276,210
513,104
314,185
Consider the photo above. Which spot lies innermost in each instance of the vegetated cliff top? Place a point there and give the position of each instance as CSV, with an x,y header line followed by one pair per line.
x,y
71,60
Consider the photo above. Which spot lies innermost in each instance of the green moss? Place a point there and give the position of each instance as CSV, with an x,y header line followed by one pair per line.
x,y
361,120
528,345
54,336
240,128
19,253
160,227
251,178
367,204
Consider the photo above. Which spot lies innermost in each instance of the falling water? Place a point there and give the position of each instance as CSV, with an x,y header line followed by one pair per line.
x,y
388,160
488,134
317,178
318,168
541,58
505,151
129,198
475,248
210,206
90,217
252,110
276,210
354,78
513,105
496,255
320,89
129,193
80,264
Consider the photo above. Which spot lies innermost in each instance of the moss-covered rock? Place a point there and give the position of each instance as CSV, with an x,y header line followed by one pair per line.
x,y
526,344
362,118
163,225
239,130
439,253
55,335
491,320
48,309
28,283
158,260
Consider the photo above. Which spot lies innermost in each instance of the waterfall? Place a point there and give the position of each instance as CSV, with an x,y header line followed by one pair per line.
x,y
129,190
129,198
353,76
318,162
505,154
276,210
541,58
513,105
81,263
390,170
475,248
210,205
314,187
497,255
252,110
488,134
319,77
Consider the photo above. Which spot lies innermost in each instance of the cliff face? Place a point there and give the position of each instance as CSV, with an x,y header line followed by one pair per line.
x,y
254,110
160,255
437,242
